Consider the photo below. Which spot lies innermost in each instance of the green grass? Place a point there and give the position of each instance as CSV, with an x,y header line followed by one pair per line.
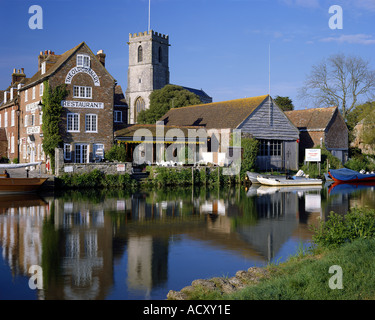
x,y
345,241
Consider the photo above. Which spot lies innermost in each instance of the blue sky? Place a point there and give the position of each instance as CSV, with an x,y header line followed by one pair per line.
x,y
221,46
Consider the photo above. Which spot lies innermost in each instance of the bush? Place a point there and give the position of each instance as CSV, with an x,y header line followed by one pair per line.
x,y
338,229
95,179
116,153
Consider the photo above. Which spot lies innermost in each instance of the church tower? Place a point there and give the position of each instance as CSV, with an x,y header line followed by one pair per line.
x,y
148,69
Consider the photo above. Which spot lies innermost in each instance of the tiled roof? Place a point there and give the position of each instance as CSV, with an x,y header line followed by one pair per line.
x,y
119,97
200,93
312,119
130,130
218,115
58,61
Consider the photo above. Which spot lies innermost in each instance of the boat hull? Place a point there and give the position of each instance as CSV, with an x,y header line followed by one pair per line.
x,y
20,185
289,182
350,176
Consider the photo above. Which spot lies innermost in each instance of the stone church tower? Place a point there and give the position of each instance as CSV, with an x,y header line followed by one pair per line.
x,y
148,69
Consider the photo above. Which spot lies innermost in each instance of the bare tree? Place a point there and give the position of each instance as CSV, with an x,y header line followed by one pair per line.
x,y
340,81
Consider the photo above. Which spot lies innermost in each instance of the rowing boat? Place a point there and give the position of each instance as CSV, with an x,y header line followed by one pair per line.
x,y
21,185
283,181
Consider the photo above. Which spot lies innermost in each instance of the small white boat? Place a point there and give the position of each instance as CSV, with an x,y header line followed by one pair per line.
x,y
253,176
283,181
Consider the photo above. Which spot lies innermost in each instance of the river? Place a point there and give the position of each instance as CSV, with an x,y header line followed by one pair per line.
x,y
112,245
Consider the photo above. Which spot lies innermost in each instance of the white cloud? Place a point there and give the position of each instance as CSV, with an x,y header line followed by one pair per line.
x,y
361,38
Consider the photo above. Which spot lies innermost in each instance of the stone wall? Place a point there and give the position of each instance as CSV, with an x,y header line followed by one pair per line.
x,y
105,167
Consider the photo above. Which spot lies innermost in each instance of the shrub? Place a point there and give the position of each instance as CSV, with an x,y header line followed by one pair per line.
x,y
338,229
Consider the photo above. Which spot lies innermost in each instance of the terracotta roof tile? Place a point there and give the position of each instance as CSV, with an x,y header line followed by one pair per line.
x,y
219,115
315,118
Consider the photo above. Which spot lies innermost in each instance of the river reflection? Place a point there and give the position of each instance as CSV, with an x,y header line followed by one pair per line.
x,y
115,245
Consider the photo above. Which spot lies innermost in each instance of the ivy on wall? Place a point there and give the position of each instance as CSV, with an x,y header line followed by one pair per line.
x,y
52,111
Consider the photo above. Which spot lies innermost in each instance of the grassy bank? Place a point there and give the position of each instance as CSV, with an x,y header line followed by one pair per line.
x,y
347,242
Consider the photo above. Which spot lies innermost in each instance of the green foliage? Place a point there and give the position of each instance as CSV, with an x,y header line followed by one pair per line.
x,y
52,111
15,160
338,229
312,169
285,103
94,179
365,113
171,96
250,151
116,153
4,160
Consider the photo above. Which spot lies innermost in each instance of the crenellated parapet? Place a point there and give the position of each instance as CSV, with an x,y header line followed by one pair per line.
x,y
148,33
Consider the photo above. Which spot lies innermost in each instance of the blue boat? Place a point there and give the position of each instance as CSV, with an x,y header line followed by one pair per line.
x,y
347,175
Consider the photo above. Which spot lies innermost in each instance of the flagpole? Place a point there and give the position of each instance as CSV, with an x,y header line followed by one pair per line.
x,y
149,15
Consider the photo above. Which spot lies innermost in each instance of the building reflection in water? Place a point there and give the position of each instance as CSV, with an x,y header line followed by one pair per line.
x,y
78,239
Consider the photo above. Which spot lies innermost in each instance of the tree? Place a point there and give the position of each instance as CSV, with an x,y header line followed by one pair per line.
x,y
362,113
285,103
339,81
368,131
171,96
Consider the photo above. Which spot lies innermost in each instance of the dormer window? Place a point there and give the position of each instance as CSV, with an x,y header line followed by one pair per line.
x,y
83,61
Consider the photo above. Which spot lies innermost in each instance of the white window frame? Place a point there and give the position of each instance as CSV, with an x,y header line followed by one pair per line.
x,y
12,144
33,93
26,95
81,156
0,120
82,92
41,89
6,119
83,60
13,118
96,147
41,117
118,112
43,68
71,118
26,120
67,154
91,123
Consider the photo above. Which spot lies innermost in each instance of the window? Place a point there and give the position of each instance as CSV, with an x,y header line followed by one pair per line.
x,y
13,118
33,120
33,95
91,123
67,152
99,151
12,144
26,120
73,122
118,116
26,95
270,148
6,120
43,69
83,61
0,120
41,118
140,54
139,106
82,92
41,89
81,153
24,151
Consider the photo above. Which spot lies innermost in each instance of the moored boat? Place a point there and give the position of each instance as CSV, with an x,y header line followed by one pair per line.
x,y
282,181
347,175
21,185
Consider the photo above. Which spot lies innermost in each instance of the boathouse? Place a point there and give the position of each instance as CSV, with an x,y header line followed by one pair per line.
x,y
321,126
259,117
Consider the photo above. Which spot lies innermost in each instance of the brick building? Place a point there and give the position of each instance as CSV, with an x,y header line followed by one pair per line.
x,y
9,111
88,109
319,126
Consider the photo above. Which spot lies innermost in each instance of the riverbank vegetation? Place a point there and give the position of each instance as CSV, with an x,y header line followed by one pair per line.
x,y
344,241
95,179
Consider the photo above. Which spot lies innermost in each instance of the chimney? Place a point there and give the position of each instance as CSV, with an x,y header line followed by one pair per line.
x,y
17,76
101,57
